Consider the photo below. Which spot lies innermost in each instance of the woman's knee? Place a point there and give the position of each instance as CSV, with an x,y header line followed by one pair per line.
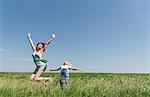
x,y
38,75
32,77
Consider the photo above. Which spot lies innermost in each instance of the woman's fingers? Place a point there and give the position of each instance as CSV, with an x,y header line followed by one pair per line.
x,y
29,34
53,36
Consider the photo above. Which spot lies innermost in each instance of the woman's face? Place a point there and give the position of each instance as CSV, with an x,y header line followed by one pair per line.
x,y
40,46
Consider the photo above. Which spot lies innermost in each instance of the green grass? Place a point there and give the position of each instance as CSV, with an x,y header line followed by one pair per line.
x,y
82,85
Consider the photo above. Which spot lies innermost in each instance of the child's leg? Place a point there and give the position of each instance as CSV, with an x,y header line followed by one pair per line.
x,y
67,81
62,82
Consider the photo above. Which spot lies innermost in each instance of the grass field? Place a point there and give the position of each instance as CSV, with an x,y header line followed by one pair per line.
x,y
81,85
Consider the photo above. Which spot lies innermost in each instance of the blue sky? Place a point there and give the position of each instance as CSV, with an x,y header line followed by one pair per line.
x,y
98,36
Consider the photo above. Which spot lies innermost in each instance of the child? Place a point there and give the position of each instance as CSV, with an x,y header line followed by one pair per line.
x,y
64,70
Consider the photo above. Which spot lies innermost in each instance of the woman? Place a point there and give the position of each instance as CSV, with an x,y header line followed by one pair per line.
x,y
38,52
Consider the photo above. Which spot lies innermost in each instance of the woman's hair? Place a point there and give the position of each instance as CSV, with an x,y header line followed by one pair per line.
x,y
43,44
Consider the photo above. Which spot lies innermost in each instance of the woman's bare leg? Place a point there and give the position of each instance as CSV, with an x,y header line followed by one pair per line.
x,y
44,78
38,74
32,77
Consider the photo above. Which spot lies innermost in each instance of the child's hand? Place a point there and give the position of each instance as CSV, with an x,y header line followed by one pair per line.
x,y
81,69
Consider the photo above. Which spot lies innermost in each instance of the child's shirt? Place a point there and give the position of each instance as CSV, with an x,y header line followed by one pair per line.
x,y
65,71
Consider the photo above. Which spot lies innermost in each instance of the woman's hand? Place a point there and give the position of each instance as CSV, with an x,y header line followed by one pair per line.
x,y
48,42
31,42
29,34
53,36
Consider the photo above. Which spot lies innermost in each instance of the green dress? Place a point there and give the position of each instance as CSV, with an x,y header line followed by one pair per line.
x,y
38,60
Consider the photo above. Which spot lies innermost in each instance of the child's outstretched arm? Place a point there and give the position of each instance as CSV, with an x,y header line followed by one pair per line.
x,y
75,68
31,42
55,69
49,41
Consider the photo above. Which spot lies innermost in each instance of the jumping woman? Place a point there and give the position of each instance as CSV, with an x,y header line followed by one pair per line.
x,y
40,63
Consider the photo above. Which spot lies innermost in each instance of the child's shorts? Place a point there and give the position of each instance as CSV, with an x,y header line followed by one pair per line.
x,y
65,74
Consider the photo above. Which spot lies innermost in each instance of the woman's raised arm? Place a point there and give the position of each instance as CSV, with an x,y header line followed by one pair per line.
x,y
49,41
31,42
